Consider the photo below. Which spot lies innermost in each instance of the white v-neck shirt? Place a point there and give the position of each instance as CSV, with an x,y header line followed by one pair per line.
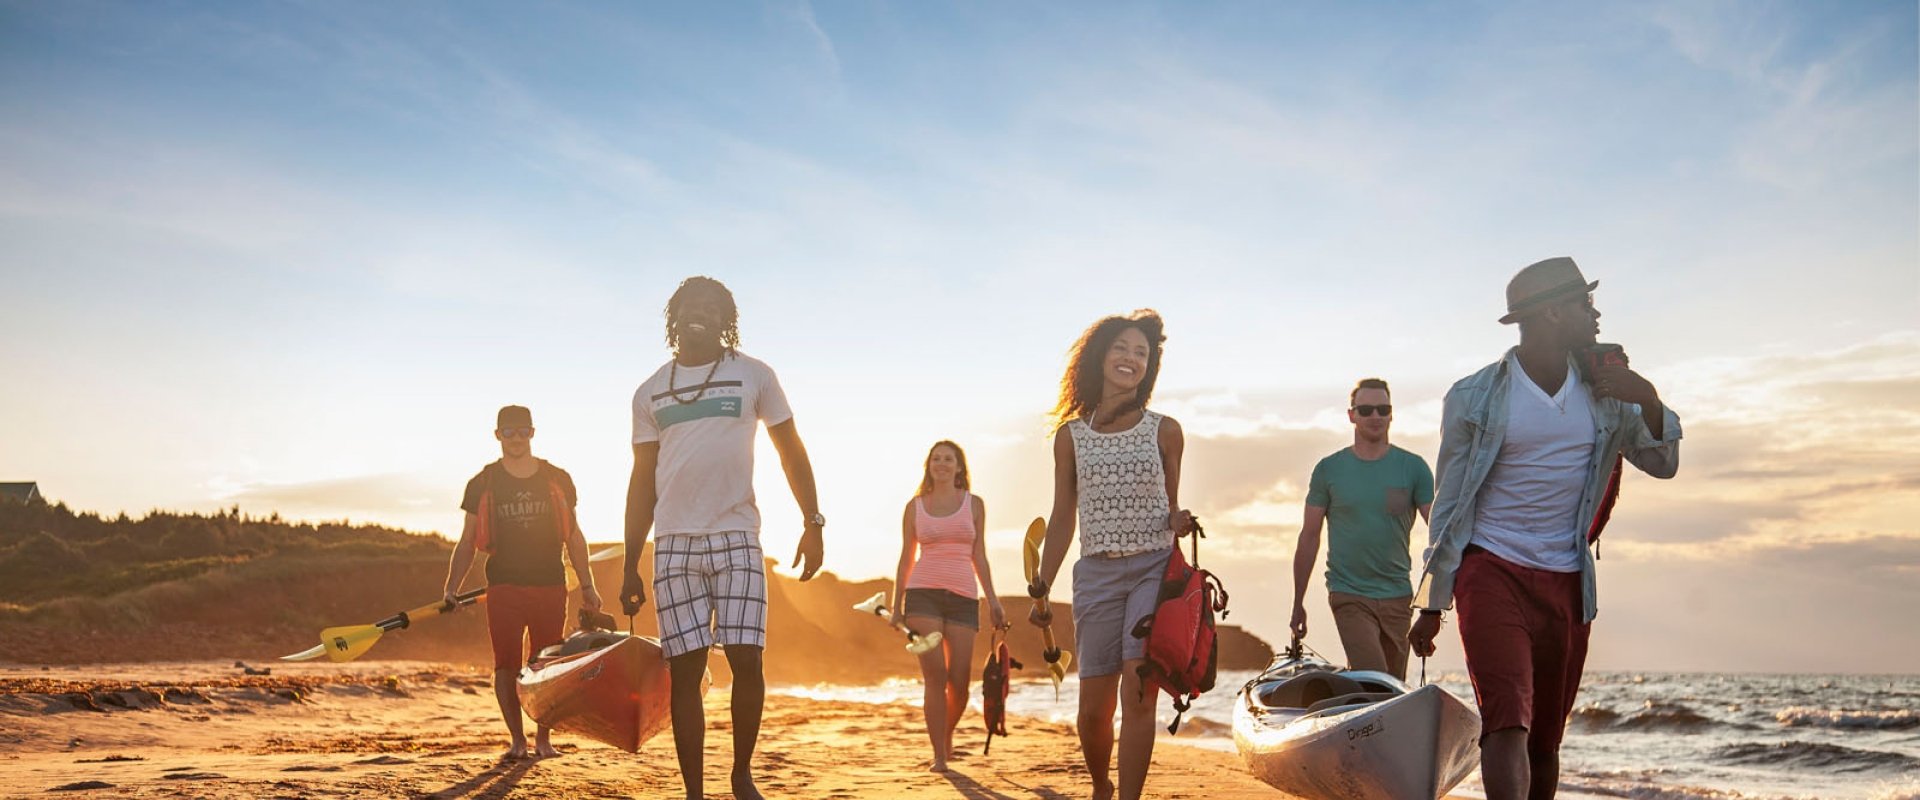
x,y
1527,507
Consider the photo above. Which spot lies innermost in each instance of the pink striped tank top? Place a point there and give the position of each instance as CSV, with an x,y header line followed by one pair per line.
x,y
946,549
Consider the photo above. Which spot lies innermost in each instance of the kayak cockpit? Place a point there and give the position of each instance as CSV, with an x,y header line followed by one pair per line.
x,y
581,642
1313,692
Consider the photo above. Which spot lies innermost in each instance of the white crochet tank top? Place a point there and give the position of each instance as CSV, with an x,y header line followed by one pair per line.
x,y
1123,488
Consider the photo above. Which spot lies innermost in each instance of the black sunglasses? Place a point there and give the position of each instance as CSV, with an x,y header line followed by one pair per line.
x,y
1384,409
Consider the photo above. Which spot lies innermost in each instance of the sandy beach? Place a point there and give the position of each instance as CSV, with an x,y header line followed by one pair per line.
x,y
418,729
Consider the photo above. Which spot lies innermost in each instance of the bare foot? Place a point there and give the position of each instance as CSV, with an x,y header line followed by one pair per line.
x,y
743,788
545,750
1103,790
937,767
514,753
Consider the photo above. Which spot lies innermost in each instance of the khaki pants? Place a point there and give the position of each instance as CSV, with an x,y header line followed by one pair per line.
x,y
1373,631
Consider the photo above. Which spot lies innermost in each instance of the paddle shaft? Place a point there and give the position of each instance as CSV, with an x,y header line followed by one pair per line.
x,y
1052,651
405,618
346,643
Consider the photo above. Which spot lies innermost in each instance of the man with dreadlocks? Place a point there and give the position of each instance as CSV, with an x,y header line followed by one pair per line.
x,y
693,428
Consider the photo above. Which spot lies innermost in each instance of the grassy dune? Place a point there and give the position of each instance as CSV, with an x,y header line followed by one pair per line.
x,y
80,588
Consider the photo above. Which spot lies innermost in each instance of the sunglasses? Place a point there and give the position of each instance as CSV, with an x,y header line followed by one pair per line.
x,y
1383,409
1584,301
515,433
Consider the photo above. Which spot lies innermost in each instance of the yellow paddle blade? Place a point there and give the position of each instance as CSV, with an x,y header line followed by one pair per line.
x,y
349,642
308,654
1057,670
1030,549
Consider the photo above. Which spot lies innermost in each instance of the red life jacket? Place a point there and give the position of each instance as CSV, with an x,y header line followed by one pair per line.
x,y
1605,510
557,497
1183,653
996,680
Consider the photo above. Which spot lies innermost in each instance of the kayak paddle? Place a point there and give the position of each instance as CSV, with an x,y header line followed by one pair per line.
x,y
1057,659
877,606
348,642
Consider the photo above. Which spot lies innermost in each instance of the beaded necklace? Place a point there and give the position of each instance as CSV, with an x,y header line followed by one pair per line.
x,y
673,375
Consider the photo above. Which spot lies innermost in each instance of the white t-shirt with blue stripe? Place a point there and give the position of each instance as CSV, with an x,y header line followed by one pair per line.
x,y
705,427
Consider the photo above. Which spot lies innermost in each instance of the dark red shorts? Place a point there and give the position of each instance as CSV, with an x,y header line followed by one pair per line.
x,y
538,611
1524,642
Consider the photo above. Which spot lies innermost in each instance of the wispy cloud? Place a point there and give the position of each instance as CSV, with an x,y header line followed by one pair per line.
x,y
1826,111
395,498
801,12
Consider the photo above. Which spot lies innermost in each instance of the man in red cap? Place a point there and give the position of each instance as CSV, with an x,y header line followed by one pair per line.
x,y
520,513
1526,472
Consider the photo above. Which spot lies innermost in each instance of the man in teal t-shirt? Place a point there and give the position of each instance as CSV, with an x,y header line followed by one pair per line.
x,y
1367,493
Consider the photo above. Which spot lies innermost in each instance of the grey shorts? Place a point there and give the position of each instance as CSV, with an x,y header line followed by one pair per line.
x,y
940,604
1110,596
707,588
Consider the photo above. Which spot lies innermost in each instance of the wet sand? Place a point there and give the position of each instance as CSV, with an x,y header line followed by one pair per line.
x,y
415,729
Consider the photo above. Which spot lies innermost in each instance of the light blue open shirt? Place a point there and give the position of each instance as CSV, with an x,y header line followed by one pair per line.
x,y
1474,425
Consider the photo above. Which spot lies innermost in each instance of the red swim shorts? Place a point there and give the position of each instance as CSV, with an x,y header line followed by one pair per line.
x,y
539,611
1525,645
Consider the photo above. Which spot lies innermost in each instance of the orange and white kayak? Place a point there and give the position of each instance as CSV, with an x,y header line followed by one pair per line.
x,y
611,687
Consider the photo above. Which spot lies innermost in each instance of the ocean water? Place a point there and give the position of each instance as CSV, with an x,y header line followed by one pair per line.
x,y
1647,736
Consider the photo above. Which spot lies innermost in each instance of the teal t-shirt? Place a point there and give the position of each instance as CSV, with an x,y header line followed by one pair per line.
x,y
1370,509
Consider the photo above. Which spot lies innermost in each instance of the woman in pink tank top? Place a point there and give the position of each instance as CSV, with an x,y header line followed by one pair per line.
x,y
945,525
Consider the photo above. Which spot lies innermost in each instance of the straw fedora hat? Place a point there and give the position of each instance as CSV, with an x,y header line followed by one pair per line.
x,y
1542,284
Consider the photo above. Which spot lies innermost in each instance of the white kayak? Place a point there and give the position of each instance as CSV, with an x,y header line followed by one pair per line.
x,y
1317,731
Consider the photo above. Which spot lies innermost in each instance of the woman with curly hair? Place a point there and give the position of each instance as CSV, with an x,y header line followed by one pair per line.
x,y
945,525
1117,473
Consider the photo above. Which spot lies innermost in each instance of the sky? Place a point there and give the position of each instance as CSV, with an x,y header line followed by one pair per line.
x,y
291,257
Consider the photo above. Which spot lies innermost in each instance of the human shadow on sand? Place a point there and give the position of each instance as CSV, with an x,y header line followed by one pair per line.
x,y
494,783
973,790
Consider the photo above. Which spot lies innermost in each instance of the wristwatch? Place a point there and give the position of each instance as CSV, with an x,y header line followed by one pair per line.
x,y
817,519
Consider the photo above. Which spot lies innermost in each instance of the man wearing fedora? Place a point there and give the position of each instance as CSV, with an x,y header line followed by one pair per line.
x,y
1527,453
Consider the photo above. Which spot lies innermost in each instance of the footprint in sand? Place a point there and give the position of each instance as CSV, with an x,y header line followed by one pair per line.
x,y
385,760
313,768
194,776
81,786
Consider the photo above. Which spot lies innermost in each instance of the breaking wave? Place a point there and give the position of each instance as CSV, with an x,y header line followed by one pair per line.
x,y
1655,716
1893,720
1814,755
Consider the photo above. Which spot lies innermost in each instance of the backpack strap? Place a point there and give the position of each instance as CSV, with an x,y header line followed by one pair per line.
x,y
1180,706
1604,511
483,530
562,511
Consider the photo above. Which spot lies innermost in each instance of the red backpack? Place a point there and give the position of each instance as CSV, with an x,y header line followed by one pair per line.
x,y
1183,656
